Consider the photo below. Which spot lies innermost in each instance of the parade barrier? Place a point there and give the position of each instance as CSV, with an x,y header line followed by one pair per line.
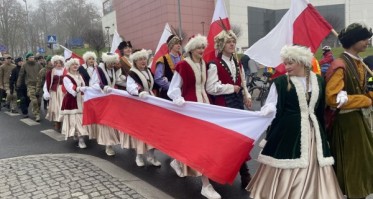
x,y
213,140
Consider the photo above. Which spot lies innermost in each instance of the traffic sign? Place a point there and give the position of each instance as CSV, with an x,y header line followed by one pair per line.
x,y
3,48
52,39
41,50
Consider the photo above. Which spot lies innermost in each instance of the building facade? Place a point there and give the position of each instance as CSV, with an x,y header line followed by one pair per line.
x,y
142,22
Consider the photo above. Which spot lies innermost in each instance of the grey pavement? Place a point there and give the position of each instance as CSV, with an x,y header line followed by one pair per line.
x,y
70,176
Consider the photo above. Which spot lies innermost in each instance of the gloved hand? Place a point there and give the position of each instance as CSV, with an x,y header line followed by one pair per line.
x,y
179,101
46,96
82,89
341,98
143,94
268,110
108,89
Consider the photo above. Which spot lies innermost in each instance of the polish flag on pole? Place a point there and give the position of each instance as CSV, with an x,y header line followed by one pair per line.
x,y
162,47
215,28
213,140
115,43
70,54
302,24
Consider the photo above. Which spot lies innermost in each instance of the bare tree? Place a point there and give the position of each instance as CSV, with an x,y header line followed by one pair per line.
x,y
11,23
236,30
95,38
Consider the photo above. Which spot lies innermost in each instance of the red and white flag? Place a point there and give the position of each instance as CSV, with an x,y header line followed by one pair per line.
x,y
215,28
70,54
162,47
115,43
212,139
302,24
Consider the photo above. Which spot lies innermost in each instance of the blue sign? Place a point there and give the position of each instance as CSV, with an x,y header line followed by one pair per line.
x,y
3,48
52,39
41,50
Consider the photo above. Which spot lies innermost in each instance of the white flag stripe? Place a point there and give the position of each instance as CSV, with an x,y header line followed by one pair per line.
x,y
219,11
116,41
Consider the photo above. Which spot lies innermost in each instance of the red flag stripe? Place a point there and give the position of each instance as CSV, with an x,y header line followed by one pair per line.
x,y
202,145
215,29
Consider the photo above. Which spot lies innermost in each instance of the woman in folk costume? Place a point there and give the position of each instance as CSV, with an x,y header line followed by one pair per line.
x,y
188,84
351,138
104,78
53,90
86,71
296,161
125,63
72,104
140,82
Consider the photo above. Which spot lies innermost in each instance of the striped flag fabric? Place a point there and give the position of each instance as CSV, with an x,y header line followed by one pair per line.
x,y
212,139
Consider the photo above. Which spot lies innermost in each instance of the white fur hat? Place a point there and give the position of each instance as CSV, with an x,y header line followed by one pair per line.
x,y
71,62
58,58
89,54
298,54
221,39
110,58
139,54
195,42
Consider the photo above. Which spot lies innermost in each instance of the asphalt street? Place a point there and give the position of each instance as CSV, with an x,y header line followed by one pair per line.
x,y
36,143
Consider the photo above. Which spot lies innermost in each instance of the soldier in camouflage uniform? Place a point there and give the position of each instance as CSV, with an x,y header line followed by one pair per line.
x,y
5,71
42,73
29,74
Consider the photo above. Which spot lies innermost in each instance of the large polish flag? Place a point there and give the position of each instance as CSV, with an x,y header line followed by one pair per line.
x,y
162,47
68,54
302,24
220,16
115,43
211,139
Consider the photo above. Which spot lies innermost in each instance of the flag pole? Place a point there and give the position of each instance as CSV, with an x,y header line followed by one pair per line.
x,y
365,66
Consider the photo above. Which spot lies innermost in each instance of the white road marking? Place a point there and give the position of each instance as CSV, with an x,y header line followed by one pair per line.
x,y
29,122
12,114
54,134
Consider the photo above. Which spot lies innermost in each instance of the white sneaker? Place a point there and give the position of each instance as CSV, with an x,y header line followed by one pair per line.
x,y
210,193
140,161
109,151
175,165
82,144
153,161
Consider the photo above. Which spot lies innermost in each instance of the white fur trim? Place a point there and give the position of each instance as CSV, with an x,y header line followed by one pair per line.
x,y
306,113
111,83
89,54
139,54
71,62
58,58
195,42
144,80
112,58
200,76
298,54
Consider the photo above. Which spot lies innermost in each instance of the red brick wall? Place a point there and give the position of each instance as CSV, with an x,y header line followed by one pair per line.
x,y
142,22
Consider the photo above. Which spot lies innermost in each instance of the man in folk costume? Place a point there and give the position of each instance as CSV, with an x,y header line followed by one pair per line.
x,y
165,65
72,104
29,75
53,90
5,72
140,83
351,139
226,82
104,79
188,84
125,63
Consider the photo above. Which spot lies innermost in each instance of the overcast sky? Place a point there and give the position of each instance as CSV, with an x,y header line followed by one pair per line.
x,y
34,3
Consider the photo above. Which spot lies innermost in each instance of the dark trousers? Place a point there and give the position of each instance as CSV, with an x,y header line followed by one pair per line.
x,y
24,100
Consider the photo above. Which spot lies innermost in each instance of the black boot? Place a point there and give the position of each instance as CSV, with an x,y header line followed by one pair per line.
x,y
245,175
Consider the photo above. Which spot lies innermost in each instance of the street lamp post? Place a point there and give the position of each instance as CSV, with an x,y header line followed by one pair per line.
x,y
203,27
28,24
108,35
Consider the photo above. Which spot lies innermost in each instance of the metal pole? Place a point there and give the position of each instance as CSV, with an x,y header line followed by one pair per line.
x,y
108,36
28,24
180,27
203,27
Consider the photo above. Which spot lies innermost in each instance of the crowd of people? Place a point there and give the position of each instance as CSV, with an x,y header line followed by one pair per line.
x,y
299,157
